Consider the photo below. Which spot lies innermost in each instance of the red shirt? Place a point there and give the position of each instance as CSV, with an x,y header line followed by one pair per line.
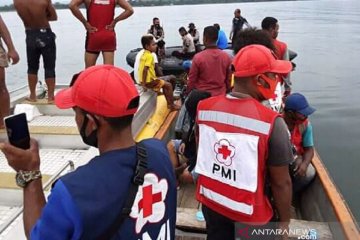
x,y
210,71
281,48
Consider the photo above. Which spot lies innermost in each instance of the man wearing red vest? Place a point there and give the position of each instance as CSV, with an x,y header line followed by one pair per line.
x,y
241,144
271,26
297,111
100,27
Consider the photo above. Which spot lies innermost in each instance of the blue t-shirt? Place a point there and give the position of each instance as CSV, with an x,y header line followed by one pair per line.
x,y
307,136
85,203
222,41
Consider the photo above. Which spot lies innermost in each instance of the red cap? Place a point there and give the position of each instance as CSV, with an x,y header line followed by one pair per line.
x,y
256,59
104,90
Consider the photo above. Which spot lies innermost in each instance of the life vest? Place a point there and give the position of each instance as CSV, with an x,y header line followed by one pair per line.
x,y
232,153
280,49
296,136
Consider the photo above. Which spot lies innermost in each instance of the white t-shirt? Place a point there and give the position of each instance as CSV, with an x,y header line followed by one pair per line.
x,y
137,62
188,43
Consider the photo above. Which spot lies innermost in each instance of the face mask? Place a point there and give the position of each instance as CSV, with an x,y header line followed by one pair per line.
x,y
267,93
92,138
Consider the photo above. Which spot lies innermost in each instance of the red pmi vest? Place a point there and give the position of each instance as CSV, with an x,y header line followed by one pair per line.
x,y
231,161
296,136
100,14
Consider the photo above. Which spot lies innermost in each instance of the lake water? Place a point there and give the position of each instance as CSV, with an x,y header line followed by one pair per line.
x,y
325,34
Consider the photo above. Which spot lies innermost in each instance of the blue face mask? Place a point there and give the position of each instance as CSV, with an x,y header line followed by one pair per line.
x,y
91,139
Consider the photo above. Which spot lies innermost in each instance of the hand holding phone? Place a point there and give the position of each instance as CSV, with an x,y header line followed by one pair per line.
x,y
18,130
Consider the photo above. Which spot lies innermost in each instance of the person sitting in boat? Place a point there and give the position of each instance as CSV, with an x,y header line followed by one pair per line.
x,y
210,70
271,26
102,199
241,142
183,151
158,32
257,36
297,111
222,41
188,46
196,36
147,73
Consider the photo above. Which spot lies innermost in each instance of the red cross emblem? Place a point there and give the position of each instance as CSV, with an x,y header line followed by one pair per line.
x,y
146,203
224,151
149,205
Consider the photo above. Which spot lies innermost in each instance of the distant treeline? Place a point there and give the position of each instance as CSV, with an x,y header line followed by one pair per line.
x,y
154,3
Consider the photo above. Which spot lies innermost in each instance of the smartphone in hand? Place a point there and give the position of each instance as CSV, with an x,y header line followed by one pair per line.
x,y
18,130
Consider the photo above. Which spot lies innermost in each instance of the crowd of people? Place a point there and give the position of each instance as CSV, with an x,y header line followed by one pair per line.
x,y
247,157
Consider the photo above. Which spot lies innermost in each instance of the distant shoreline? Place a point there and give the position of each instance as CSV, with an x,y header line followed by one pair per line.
x,y
149,3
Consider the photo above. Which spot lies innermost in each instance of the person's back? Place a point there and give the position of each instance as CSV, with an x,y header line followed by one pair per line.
x,y
34,13
108,177
210,70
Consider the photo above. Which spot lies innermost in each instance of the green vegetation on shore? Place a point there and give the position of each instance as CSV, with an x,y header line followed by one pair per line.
x,y
154,3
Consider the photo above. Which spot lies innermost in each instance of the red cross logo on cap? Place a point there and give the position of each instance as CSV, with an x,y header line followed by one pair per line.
x,y
149,205
224,152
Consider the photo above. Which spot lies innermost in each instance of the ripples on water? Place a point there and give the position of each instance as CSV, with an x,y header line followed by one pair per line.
x,y
325,34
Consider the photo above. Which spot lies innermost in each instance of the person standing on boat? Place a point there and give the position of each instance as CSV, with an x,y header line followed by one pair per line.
x,y
210,70
158,32
297,111
271,26
147,73
237,24
40,41
126,192
5,57
188,46
100,26
241,144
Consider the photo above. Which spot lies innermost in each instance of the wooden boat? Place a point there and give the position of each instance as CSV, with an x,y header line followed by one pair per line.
x,y
321,207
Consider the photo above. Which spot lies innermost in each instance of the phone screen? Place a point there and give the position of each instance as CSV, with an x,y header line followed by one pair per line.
x,y
18,131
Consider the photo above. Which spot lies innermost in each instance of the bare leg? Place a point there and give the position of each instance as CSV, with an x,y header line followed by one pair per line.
x,y
108,58
172,153
32,80
50,82
168,92
90,59
4,98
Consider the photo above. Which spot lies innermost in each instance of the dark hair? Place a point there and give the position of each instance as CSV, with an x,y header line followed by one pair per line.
x,y
74,78
217,26
155,18
269,23
182,29
120,123
146,40
238,10
211,33
252,36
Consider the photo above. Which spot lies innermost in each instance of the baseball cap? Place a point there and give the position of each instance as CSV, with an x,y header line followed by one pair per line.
x,y
297,102
256,59
104,90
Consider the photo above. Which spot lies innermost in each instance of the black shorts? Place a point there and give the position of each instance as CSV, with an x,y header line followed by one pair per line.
x,y
41,42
